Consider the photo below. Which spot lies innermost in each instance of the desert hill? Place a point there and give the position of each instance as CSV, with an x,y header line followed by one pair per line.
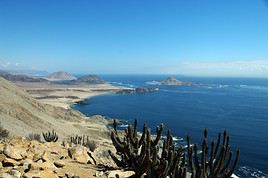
x,y
61,76
21,114
20,77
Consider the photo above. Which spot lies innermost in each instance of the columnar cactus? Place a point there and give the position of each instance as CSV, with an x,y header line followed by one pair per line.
x,y
50,136
145,156
141,154
217,164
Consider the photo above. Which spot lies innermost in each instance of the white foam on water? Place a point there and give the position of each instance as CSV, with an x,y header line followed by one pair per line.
x,y
123,125
234,176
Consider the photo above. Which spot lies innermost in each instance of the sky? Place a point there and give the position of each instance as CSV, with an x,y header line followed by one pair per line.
x,y
188,37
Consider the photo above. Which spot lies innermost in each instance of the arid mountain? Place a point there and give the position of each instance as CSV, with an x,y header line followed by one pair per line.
x,y
20,78
21,114
61,76
90,79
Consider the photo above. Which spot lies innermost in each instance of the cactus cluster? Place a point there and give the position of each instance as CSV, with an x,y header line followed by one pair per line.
x,y
79,140
154,158
142,153
84,141
213,162
50,136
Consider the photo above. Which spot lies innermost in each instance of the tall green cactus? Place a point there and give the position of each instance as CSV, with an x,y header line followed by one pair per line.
x,y
217,164
142,154
145,156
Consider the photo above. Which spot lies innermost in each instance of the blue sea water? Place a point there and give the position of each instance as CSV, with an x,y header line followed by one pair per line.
x,y
236,104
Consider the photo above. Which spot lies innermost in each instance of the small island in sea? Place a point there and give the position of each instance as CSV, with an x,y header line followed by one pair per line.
x,y
172,81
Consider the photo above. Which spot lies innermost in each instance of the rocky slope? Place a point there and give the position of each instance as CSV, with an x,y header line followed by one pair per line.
x,y
61,76
22,158
21,114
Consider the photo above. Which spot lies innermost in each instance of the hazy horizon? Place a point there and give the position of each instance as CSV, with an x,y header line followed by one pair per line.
x,y
208,38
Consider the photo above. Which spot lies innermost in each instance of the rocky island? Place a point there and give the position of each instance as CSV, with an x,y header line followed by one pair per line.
x,y
136,90
171,81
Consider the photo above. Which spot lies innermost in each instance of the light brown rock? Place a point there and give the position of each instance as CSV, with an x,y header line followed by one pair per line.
x,y
15,173
81,155
2,157
112,174
5,175
7,162
59,163
12,153
42,166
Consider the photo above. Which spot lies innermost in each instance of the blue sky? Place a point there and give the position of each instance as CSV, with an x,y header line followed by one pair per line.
x,y
191,37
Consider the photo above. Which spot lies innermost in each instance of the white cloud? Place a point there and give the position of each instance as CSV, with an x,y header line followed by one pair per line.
x,y
253,68
7,65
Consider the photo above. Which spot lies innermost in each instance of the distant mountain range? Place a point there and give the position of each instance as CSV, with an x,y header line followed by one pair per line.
x,y
61,76
20,78
57,77
28,72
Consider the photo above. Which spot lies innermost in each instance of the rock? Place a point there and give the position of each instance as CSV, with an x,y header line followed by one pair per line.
x,y
2,157
5,175
79,154
42,166
12,153
25,165
99,173
59,163
15,173
112,174
41,156
32,174
48,174
7,162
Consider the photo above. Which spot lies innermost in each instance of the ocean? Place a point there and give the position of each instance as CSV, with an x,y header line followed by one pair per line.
x,y
239,105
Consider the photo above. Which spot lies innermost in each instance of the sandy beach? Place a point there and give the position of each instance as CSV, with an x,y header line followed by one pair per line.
x,y
63,95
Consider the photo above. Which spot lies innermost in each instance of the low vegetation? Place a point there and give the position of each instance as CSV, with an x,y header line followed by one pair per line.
x,y
50,136
34,136
161,158
3,132
85,141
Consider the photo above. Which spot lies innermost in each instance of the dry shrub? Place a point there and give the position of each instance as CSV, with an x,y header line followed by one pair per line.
x,y
91,145
3,132
34,136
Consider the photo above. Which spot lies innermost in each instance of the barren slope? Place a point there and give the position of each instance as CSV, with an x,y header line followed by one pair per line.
x,y
21,114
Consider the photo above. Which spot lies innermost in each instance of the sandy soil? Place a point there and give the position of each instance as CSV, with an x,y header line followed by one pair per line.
x,y
64,95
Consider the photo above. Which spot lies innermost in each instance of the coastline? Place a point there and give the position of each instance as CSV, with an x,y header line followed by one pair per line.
x,y
65,96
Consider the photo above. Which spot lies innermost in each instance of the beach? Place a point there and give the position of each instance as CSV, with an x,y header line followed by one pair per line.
x,y
64,95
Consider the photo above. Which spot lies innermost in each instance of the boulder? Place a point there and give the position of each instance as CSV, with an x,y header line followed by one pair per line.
x,y
7,162
15,173
42,165
41,156
81,155
120,173
5,175
12,153
59,163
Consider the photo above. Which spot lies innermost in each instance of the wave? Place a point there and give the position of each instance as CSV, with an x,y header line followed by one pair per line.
x,y
249,172
256,87
122,84
123,126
